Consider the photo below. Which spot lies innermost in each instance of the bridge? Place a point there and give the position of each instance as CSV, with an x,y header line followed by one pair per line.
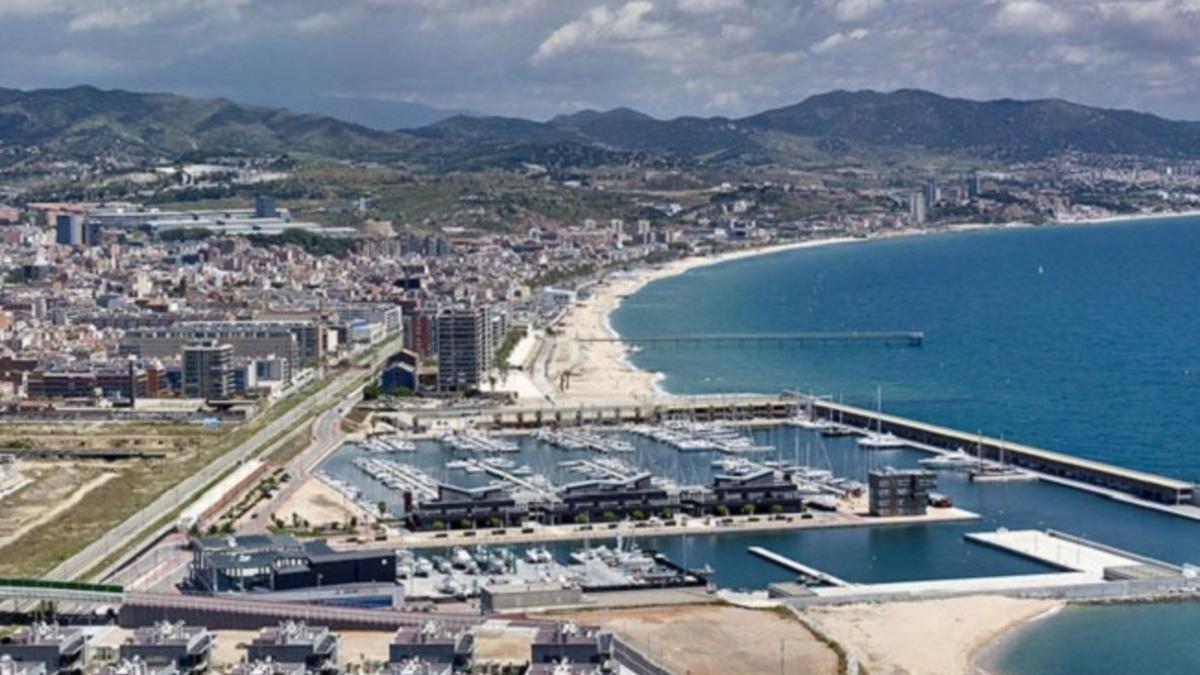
x,y
902,338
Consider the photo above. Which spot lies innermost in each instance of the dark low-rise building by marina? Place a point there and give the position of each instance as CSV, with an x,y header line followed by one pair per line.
x,y
272,562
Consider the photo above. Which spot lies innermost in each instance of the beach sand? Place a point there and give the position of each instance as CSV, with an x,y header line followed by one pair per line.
x,y
568,371
562,370
932,637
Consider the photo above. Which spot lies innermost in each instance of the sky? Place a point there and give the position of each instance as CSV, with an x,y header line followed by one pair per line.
x,y
539,58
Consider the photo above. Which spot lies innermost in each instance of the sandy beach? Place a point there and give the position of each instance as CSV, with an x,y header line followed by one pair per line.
x,y
933,637
568,371
565,371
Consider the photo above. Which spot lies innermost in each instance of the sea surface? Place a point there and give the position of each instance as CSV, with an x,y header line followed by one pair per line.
x,y
1075,338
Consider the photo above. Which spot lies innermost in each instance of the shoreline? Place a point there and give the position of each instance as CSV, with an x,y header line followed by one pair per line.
x,y
986,656
597,370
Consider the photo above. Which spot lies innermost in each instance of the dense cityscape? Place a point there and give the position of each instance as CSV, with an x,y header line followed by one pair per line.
x,y
598,337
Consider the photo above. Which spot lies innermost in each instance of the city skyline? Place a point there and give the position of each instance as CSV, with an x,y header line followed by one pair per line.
x,y
535,59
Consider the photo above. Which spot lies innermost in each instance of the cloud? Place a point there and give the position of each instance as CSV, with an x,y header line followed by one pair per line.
x,y
536,58
324,21
1032,16
708,6
838,39
599,26
854,10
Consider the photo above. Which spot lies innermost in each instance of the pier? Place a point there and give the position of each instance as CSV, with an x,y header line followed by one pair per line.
x,y
1140,484
804,570
899,338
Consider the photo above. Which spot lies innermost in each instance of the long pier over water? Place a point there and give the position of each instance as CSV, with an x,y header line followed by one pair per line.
x,y
734,408
903,338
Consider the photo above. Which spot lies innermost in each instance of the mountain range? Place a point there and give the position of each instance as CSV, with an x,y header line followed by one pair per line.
x,y
84,122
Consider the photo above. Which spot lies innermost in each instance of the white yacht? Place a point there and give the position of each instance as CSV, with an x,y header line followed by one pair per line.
x,y
958,460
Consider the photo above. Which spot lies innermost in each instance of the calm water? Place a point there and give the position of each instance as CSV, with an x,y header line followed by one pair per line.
x,y
1081,339
1104,640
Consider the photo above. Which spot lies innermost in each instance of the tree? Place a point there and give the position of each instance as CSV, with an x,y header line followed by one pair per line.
x,y
438,525
371,392
609,516
666,514
382,506
465,523
494,522
722,510
748,509
776,508
638,514
582,517
353,522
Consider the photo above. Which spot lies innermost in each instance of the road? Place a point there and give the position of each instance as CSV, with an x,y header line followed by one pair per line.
x,y
135,527
327,436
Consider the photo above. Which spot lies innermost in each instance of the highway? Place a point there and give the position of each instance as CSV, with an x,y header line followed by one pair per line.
x,y
134,528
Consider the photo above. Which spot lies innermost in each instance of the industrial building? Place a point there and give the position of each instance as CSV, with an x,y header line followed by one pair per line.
x,y
899,493
60,649
313,647
265,219
435,643
186,649
297,341
272,562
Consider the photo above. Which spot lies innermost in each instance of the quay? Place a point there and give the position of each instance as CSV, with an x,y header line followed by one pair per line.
x,y
903,338
1085,570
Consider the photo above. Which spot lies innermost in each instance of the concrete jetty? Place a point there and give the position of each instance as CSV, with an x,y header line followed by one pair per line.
x,y
795,566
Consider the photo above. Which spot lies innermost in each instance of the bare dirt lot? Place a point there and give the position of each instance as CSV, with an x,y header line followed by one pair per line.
x,y
717,639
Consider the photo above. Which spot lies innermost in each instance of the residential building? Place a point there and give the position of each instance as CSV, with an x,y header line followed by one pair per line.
x,y
208,370
894,492
465,347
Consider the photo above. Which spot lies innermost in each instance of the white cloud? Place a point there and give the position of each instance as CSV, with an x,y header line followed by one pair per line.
x,y
324,21
854,10
1032,17
838,39
708,6
601,26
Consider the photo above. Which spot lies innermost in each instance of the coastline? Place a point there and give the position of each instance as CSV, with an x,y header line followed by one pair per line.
x,y
603,372
933,637
986,657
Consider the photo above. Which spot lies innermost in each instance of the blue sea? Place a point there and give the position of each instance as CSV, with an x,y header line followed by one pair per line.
x,y
1075,338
